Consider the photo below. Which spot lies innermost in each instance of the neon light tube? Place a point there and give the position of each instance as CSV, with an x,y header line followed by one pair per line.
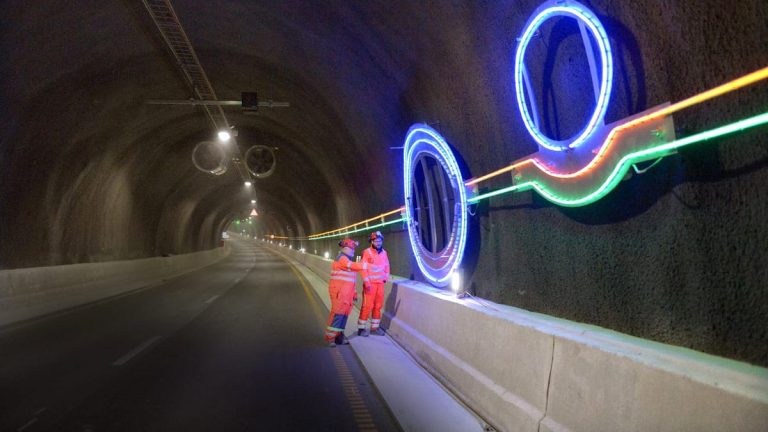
x,y
580,13
358,230
398,210
730,86
720,90
436,266
625,163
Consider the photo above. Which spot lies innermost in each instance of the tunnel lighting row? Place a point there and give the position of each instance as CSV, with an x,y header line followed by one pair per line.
x,y
224,137
602,153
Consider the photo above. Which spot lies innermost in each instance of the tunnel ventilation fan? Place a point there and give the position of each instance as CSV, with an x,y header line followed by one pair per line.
x,y
209,157
261,161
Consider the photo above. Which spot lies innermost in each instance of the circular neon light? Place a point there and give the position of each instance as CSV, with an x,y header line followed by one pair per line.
x,y
580,13
437,267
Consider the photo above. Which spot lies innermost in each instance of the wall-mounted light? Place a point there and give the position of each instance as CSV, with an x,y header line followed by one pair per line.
x,y
253,201
248,184
326,255
456,282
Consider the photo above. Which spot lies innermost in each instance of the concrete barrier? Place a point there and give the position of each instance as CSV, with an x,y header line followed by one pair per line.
x,y
31,292
523,371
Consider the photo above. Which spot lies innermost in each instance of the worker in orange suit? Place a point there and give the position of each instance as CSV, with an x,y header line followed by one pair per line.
x,y
373,285
341,289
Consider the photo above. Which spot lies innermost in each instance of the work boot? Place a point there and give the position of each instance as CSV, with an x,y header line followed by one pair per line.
x,y
364,332
342,340
379,332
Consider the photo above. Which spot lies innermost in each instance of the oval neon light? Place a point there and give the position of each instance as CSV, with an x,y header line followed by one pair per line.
x,y
438,267
582,14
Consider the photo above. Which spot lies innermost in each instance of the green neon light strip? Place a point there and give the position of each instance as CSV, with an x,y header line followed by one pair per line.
x,y
627,161
496,192
359,229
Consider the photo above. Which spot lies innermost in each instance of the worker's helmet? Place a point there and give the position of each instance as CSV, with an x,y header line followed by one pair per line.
x,y
374,236
348,243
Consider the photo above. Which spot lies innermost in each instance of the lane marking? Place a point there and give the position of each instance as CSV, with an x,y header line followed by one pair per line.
x,y
40,411
27,424
360,413
133,353
315,307
350,388
210,300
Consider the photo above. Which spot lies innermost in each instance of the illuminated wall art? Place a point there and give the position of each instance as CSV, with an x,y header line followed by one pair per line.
x,y
602,77
423,143
573,172
582,159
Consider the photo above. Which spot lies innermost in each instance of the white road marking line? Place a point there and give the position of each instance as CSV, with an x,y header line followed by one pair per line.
x,y
26,425
210,300
40,411
124,359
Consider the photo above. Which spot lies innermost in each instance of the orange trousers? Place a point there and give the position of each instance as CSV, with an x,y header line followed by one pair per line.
x,y
342,299
373,300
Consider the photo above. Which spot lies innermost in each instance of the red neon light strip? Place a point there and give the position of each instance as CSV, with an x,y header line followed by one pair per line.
x,y
607,144
736,84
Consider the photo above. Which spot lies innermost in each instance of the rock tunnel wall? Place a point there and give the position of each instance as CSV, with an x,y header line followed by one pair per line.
x,y
91,173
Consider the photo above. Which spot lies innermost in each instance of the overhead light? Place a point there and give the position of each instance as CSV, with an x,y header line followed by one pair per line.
x,y
224,136
253,201
248,184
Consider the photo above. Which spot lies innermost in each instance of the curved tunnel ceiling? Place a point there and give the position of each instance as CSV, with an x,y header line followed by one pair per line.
x,y
93,173
115,175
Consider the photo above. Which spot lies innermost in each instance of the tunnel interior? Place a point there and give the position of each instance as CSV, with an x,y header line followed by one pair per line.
x,y
92,173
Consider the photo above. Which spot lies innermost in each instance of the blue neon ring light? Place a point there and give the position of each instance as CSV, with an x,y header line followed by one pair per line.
x,y
575,10
436,267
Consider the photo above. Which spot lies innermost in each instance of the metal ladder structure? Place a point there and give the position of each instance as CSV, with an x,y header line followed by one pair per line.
x,y
176,39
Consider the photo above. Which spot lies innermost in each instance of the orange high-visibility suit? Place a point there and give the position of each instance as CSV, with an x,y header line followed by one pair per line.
x,y
373,287
341,288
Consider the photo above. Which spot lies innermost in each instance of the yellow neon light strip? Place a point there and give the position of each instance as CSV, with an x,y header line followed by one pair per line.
x,y
720,90
693,100
701,97
383,215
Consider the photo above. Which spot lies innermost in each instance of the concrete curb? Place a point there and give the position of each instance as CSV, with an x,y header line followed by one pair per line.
x,y
32,292
530,372
416,398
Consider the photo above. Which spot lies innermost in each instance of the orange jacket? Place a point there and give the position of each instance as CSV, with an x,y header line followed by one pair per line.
x,y
373,257
343,271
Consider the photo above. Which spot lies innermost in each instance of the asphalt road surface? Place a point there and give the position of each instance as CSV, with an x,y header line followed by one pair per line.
x,y
236,346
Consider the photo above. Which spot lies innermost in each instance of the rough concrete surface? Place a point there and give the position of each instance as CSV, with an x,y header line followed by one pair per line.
x,y
90,173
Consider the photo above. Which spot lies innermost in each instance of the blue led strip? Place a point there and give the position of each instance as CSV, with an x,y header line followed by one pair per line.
x,y
438,267
575,10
